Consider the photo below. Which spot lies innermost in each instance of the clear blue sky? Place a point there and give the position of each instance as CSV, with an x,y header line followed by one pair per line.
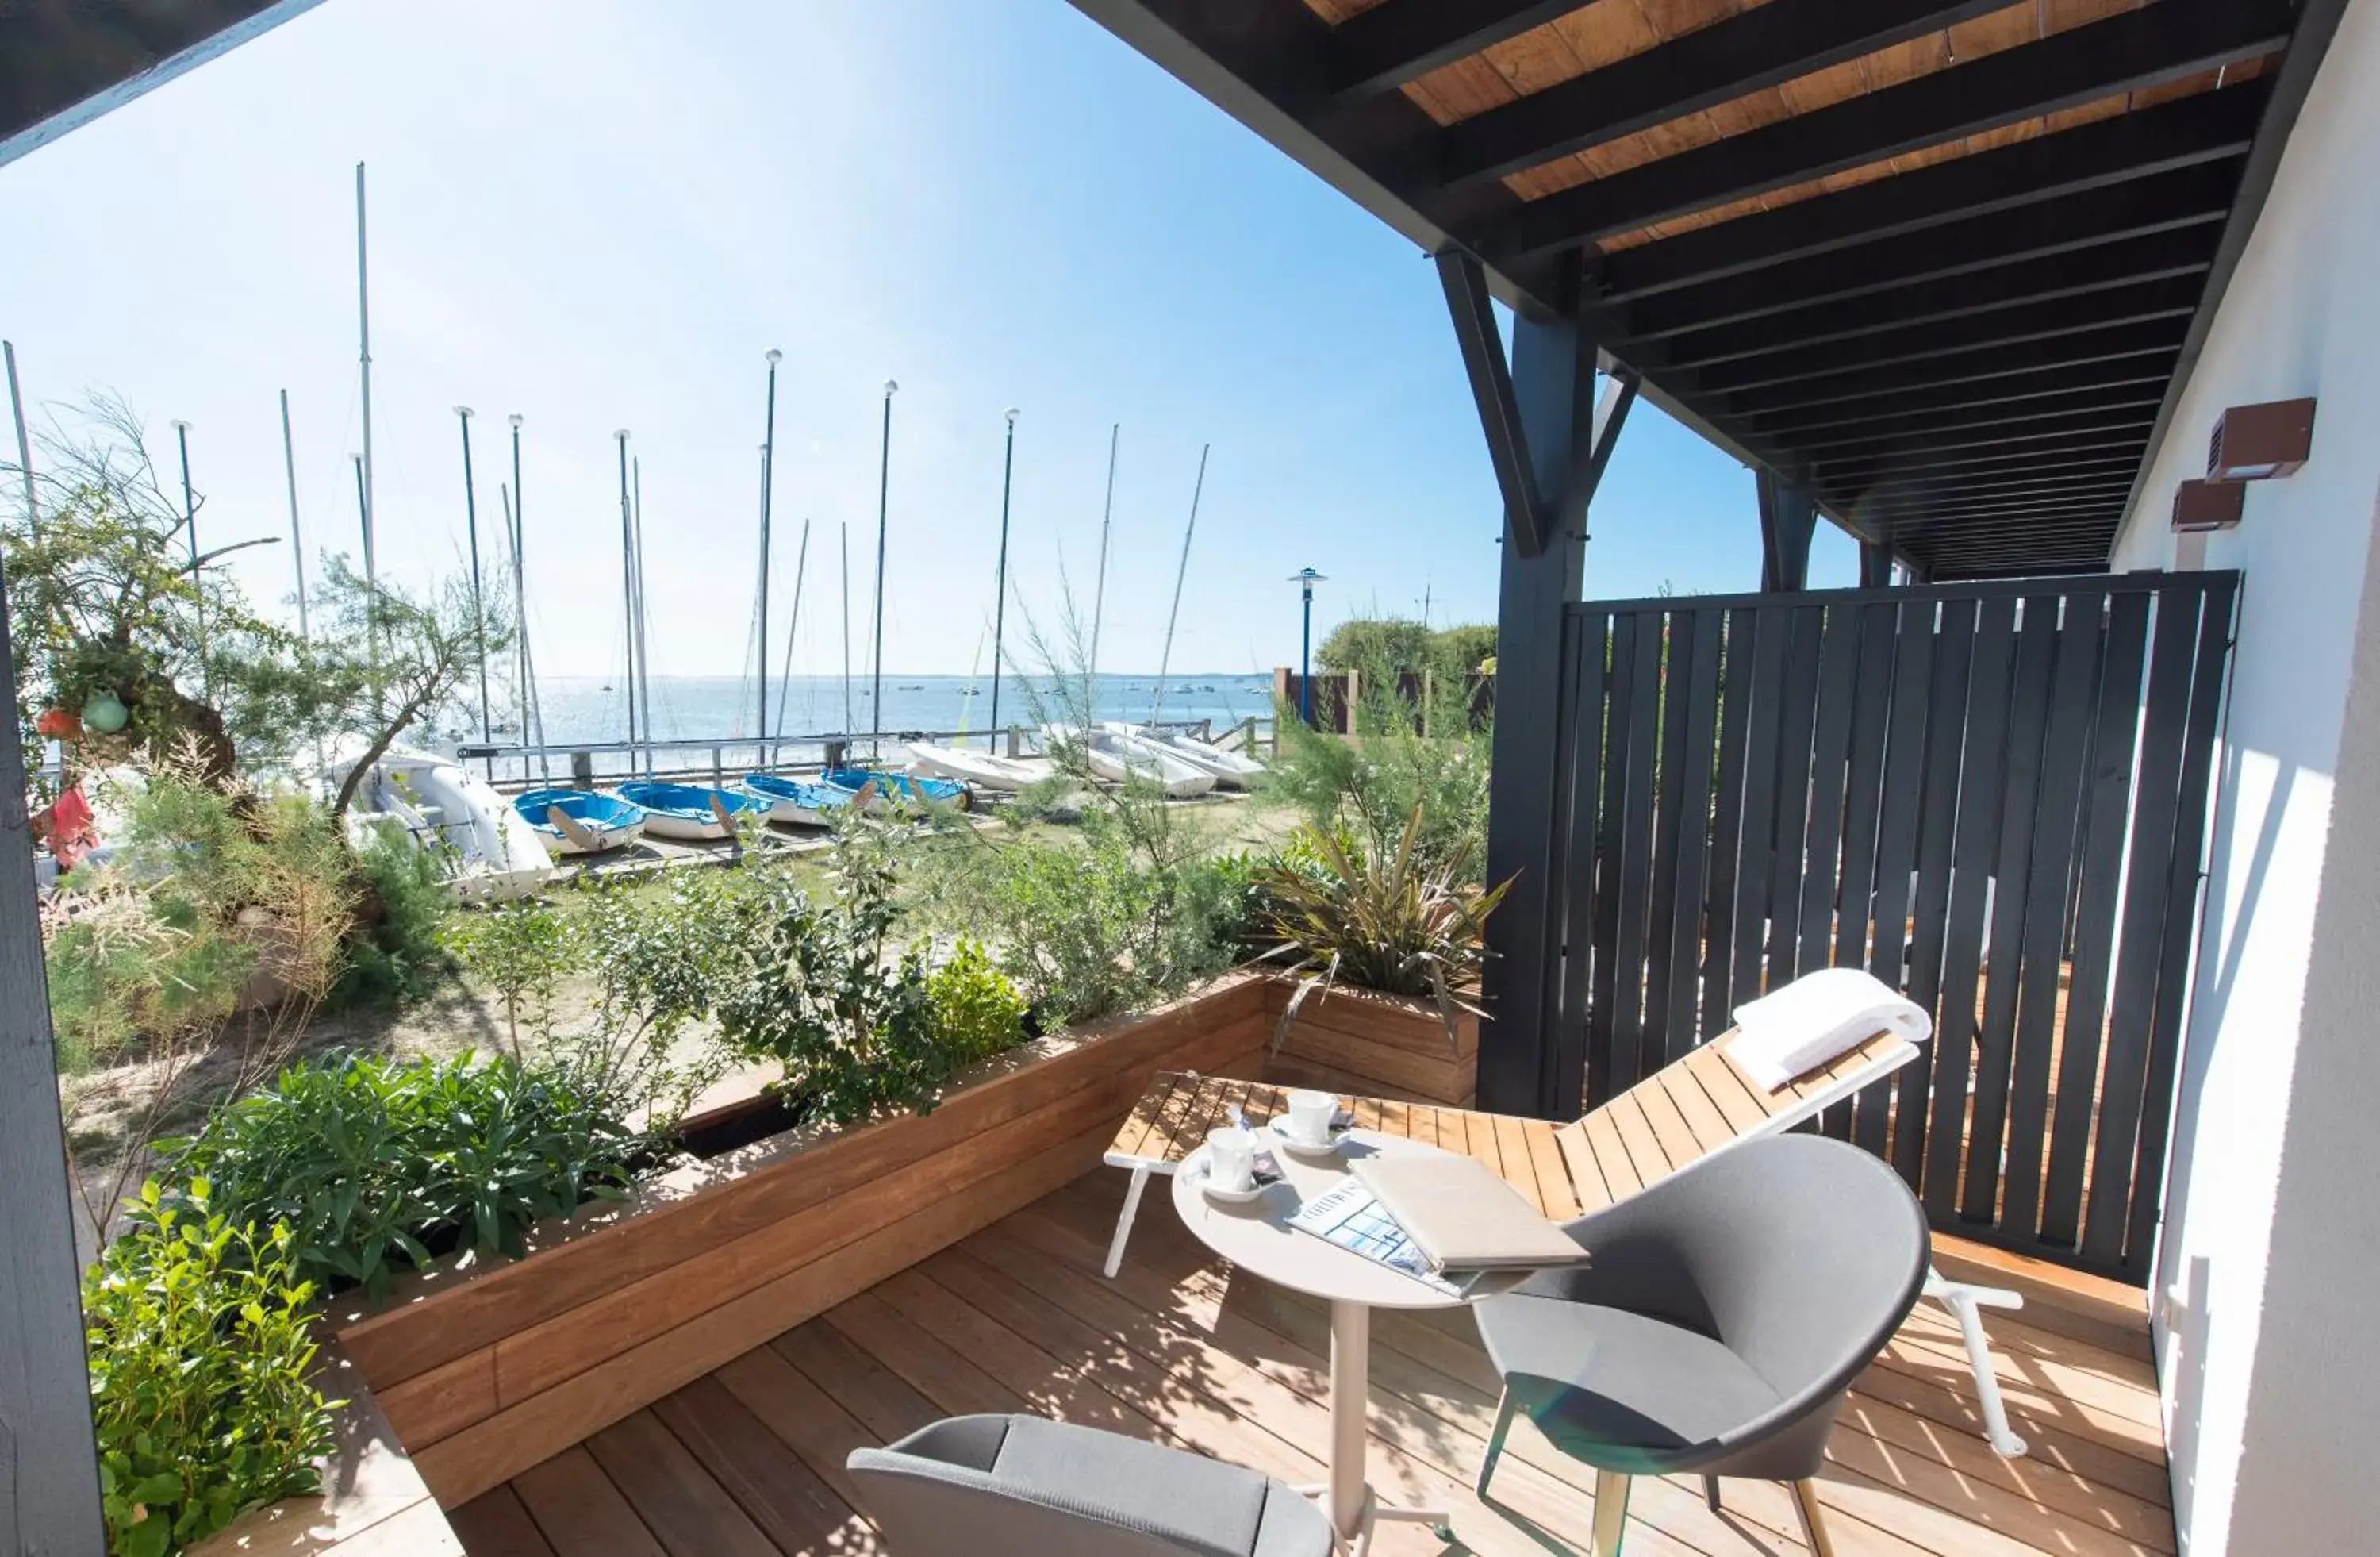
x,y
602,214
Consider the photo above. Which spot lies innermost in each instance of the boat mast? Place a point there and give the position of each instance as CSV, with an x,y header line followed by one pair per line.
x,y
644,658
532,716
629,590
363,354
297,543
768,484
883,489
793,625
24,444
1099,592
479,606
847,627
1165,657
999,578
190,523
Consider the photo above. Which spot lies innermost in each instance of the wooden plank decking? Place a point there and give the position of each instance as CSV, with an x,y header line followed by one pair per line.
x,y
748,1460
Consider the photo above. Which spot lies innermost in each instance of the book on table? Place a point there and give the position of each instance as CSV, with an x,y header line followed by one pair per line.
x,y
1463,1215
1448,1228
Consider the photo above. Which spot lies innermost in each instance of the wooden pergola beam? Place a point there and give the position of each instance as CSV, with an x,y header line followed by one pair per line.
x,y
2119,54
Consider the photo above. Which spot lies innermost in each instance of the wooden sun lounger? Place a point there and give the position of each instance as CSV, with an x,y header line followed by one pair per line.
x,y
1692,1109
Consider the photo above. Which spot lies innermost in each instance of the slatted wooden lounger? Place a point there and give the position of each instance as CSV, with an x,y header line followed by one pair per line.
x,y
1692,1109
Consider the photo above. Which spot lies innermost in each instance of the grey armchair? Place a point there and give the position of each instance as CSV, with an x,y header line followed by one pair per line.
x,y
1726,1310
1022,1487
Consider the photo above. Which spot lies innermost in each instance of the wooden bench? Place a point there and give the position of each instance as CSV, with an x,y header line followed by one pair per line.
x,y
1689,1109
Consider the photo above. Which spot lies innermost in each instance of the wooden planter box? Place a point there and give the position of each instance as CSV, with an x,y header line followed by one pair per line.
x,y
483,1371
1382,1046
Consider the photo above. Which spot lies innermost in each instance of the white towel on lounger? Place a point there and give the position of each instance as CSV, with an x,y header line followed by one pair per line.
x,y
1814,1019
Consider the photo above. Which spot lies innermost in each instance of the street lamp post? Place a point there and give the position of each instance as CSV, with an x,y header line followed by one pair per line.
x,y
1305,578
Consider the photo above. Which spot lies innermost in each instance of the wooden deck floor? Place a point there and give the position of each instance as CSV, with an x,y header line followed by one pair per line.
x,y
749,1461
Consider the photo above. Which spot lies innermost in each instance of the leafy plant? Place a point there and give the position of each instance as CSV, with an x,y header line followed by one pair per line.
x,y
401,949
372,1165
974,1009
1392,921
854,1035
520,950
198,1348
217,896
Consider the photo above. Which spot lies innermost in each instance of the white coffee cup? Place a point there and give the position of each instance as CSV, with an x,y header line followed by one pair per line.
x,y
1232,1158
1311,1113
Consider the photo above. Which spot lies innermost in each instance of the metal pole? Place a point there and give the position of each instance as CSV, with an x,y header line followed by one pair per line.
x,y
532,717
363,352
372,585
1000,579
644,661
297,542
190,523
1305,578
883,489
846,627
768,484
793,625
24,443
1165,657
1100,592
629,590
478,607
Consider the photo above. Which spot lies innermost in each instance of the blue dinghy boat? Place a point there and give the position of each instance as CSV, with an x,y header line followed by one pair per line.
x,y
796,802
908,789
587,823
690,812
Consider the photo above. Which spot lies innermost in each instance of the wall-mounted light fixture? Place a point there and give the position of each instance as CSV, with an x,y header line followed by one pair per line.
x,y
2199,507
2260,442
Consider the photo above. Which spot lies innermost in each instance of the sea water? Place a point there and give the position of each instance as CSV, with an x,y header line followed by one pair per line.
x,y
805,713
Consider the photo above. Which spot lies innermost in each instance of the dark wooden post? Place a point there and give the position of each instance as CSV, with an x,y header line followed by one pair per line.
x,y
1876,564
49,1473
1549,439
1788,517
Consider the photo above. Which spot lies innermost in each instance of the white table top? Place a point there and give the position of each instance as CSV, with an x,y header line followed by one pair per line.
x,y
1258,1239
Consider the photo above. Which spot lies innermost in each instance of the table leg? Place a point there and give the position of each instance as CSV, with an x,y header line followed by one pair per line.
x,y
1351,1345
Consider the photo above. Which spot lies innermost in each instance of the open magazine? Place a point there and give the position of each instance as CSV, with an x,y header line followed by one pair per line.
x,y
1351,1217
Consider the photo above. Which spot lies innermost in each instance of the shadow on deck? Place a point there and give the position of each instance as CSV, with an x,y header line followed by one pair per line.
x,y
748,1461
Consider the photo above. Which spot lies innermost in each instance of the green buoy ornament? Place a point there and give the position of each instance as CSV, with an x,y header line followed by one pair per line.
x,y
105,713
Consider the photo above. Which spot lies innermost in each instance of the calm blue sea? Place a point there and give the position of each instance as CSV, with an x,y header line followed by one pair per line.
x,y
708,710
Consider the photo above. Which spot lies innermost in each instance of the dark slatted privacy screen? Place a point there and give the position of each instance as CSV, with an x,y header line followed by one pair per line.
x,y
1991,796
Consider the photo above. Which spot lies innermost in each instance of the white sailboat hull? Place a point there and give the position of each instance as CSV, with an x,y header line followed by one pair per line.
x,y
1232,771
444,805
1116,758
979,768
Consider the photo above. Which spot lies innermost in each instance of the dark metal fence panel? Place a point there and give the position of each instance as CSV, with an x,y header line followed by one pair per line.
x,y
1992,795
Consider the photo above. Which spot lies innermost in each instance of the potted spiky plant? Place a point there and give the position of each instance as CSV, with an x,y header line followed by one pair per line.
x,y
1382,949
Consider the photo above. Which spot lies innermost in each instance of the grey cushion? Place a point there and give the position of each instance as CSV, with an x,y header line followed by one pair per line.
x,y
1021,1485
1596,1377
1724,1312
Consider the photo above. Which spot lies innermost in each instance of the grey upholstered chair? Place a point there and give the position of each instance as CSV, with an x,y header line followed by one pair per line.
x,y
1022,1487
1724,1313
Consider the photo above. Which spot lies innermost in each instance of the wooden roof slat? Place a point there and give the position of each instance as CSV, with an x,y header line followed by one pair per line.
x,y
2005,415
2121,52
2108,406
2015,392
1937,360
1393,42
1977,262
1720,64
2113,274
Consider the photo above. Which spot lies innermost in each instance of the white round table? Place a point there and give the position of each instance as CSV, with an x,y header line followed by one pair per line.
x,y
1257,1237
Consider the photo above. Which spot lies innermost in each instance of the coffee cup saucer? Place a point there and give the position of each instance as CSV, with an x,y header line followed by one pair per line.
x,y
1298,1145
1222,1196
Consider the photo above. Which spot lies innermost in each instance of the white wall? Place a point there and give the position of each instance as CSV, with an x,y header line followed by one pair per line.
x,y
2270,1252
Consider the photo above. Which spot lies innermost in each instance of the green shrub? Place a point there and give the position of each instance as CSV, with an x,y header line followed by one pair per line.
x,y
373,1164
815,992
974,1009
199,1351
402,953
518,950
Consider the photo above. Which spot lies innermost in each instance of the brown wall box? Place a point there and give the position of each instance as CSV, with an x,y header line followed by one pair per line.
x,y
2258,442
2202,505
